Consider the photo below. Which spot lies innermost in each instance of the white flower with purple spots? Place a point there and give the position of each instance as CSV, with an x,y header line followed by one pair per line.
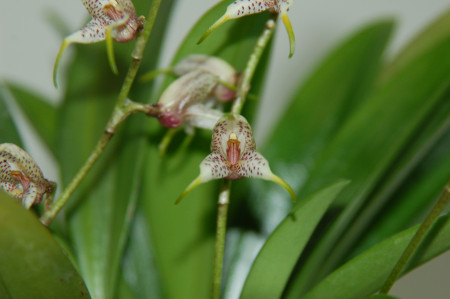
x,y
21,177
111,19
241,8
234,156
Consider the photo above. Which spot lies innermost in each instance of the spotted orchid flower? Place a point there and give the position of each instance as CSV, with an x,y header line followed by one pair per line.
x,y
185,101
21,177
234,156
241,8
111,19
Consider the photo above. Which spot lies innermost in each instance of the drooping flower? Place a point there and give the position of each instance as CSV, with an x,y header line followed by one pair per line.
x,y
111,19
184,101
225,88
241,8
234,156
216,66
21,177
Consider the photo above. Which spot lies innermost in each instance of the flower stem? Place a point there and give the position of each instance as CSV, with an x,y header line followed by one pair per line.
x,y
437,209
244,83
122,110
222,211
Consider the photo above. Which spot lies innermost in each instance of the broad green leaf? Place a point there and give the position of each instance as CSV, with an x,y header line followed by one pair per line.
x,y
366,273
372,139
32,265
42,115
338,86
8,130
273,265
183,235
433,34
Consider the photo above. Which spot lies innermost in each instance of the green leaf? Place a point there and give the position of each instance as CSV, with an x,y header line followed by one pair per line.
x,y
272,267
8,130
32,265
42,115
433,34
338,86
366,273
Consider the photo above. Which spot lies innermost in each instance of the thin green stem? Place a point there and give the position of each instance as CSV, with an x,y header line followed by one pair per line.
x,y
122,110
438,208
221,230
244,83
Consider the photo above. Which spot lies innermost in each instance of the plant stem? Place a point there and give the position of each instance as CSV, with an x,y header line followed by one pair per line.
x,y
437,209
244,83
122,110
222,211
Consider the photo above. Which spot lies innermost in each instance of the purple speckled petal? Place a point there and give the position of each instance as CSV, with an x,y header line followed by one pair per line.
x,y
213,167
254,165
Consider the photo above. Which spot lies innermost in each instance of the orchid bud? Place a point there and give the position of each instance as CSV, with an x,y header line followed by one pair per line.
x,y
21,177
234,156
111,19
241,8
216,66
184,101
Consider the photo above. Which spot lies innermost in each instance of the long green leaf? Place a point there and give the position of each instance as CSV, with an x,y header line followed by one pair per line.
x,y
337,87
273,265
366,273
32,265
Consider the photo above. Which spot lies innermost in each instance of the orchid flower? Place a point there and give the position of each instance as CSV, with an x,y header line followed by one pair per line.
x,y
111,19
234,156
184,101
224,90
21,177
241,8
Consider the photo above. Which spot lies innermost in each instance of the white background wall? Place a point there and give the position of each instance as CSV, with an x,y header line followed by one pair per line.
x,y
28,46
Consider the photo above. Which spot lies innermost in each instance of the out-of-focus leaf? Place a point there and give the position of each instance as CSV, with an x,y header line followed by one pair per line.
x,y
273,265
432,35
183,235
424,182
338,86
366,273
42,115
8,130
139,264
372,139
31,263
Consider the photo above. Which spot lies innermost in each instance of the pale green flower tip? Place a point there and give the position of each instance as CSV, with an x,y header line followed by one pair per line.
x,y
290,31
213,27
110,52
282,183
189,188
57,62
